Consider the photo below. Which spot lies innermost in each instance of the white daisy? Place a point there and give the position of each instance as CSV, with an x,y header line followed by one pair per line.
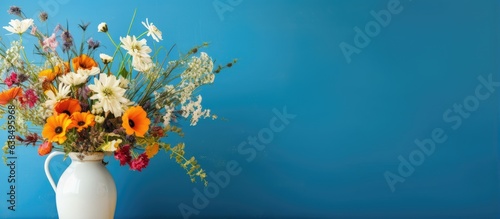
x,y
153,30
142,64
52,98
108,92
18,26
135,48
73,79
89,72
78,78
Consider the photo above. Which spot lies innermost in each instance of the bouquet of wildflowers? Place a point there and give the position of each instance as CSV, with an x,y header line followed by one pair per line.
x,y
123,103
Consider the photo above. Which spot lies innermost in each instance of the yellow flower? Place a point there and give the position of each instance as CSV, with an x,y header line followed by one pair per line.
x,y
56,127
152,150
82,120
135,120
48,74
51,74
112,145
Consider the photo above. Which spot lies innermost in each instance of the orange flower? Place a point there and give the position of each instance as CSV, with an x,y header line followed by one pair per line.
x,y
45,148
68,106
84,62
7,95
135,120
81,120
152,150
56,127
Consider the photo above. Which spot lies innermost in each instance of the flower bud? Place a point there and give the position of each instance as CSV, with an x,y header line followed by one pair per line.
x,y
43,16
103,27
106,59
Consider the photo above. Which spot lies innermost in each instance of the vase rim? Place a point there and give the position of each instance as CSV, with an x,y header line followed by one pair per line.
x,y
78,156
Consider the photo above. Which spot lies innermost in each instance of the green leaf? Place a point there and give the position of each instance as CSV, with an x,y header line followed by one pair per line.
x,y
123,72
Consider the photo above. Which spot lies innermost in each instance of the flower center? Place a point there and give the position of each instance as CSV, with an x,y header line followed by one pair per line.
x,y
131,123
81,123
107,91
136,47
58,130
67,112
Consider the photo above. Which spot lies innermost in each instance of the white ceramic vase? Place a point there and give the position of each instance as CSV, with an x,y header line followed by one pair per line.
x,y
85,190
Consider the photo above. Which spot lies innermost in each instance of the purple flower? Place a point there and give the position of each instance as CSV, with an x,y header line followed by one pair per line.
x,y
22,77
93,44
68,40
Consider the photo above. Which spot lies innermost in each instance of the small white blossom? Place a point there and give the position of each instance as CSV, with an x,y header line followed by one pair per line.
x,y
99,119
106,59
194,109
12,57
97,109
167,117
199,70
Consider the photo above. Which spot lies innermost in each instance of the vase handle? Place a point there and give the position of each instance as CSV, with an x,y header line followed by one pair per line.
x,y
47,171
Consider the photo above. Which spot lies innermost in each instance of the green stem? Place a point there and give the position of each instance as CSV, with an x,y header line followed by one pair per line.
x,y
131,22
24,51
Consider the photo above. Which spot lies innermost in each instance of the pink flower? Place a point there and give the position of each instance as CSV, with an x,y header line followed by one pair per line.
x,y
50,43
57,28
11,79
140,162
29,98
33,29
123,155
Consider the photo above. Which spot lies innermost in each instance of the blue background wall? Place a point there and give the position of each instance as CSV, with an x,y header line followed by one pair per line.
x,y
356,122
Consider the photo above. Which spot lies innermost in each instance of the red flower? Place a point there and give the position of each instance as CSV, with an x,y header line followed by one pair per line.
x,y
28,98
123,155
11,79
140,162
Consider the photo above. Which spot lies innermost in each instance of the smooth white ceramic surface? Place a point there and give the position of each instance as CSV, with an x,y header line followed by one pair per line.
x,y
86,189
